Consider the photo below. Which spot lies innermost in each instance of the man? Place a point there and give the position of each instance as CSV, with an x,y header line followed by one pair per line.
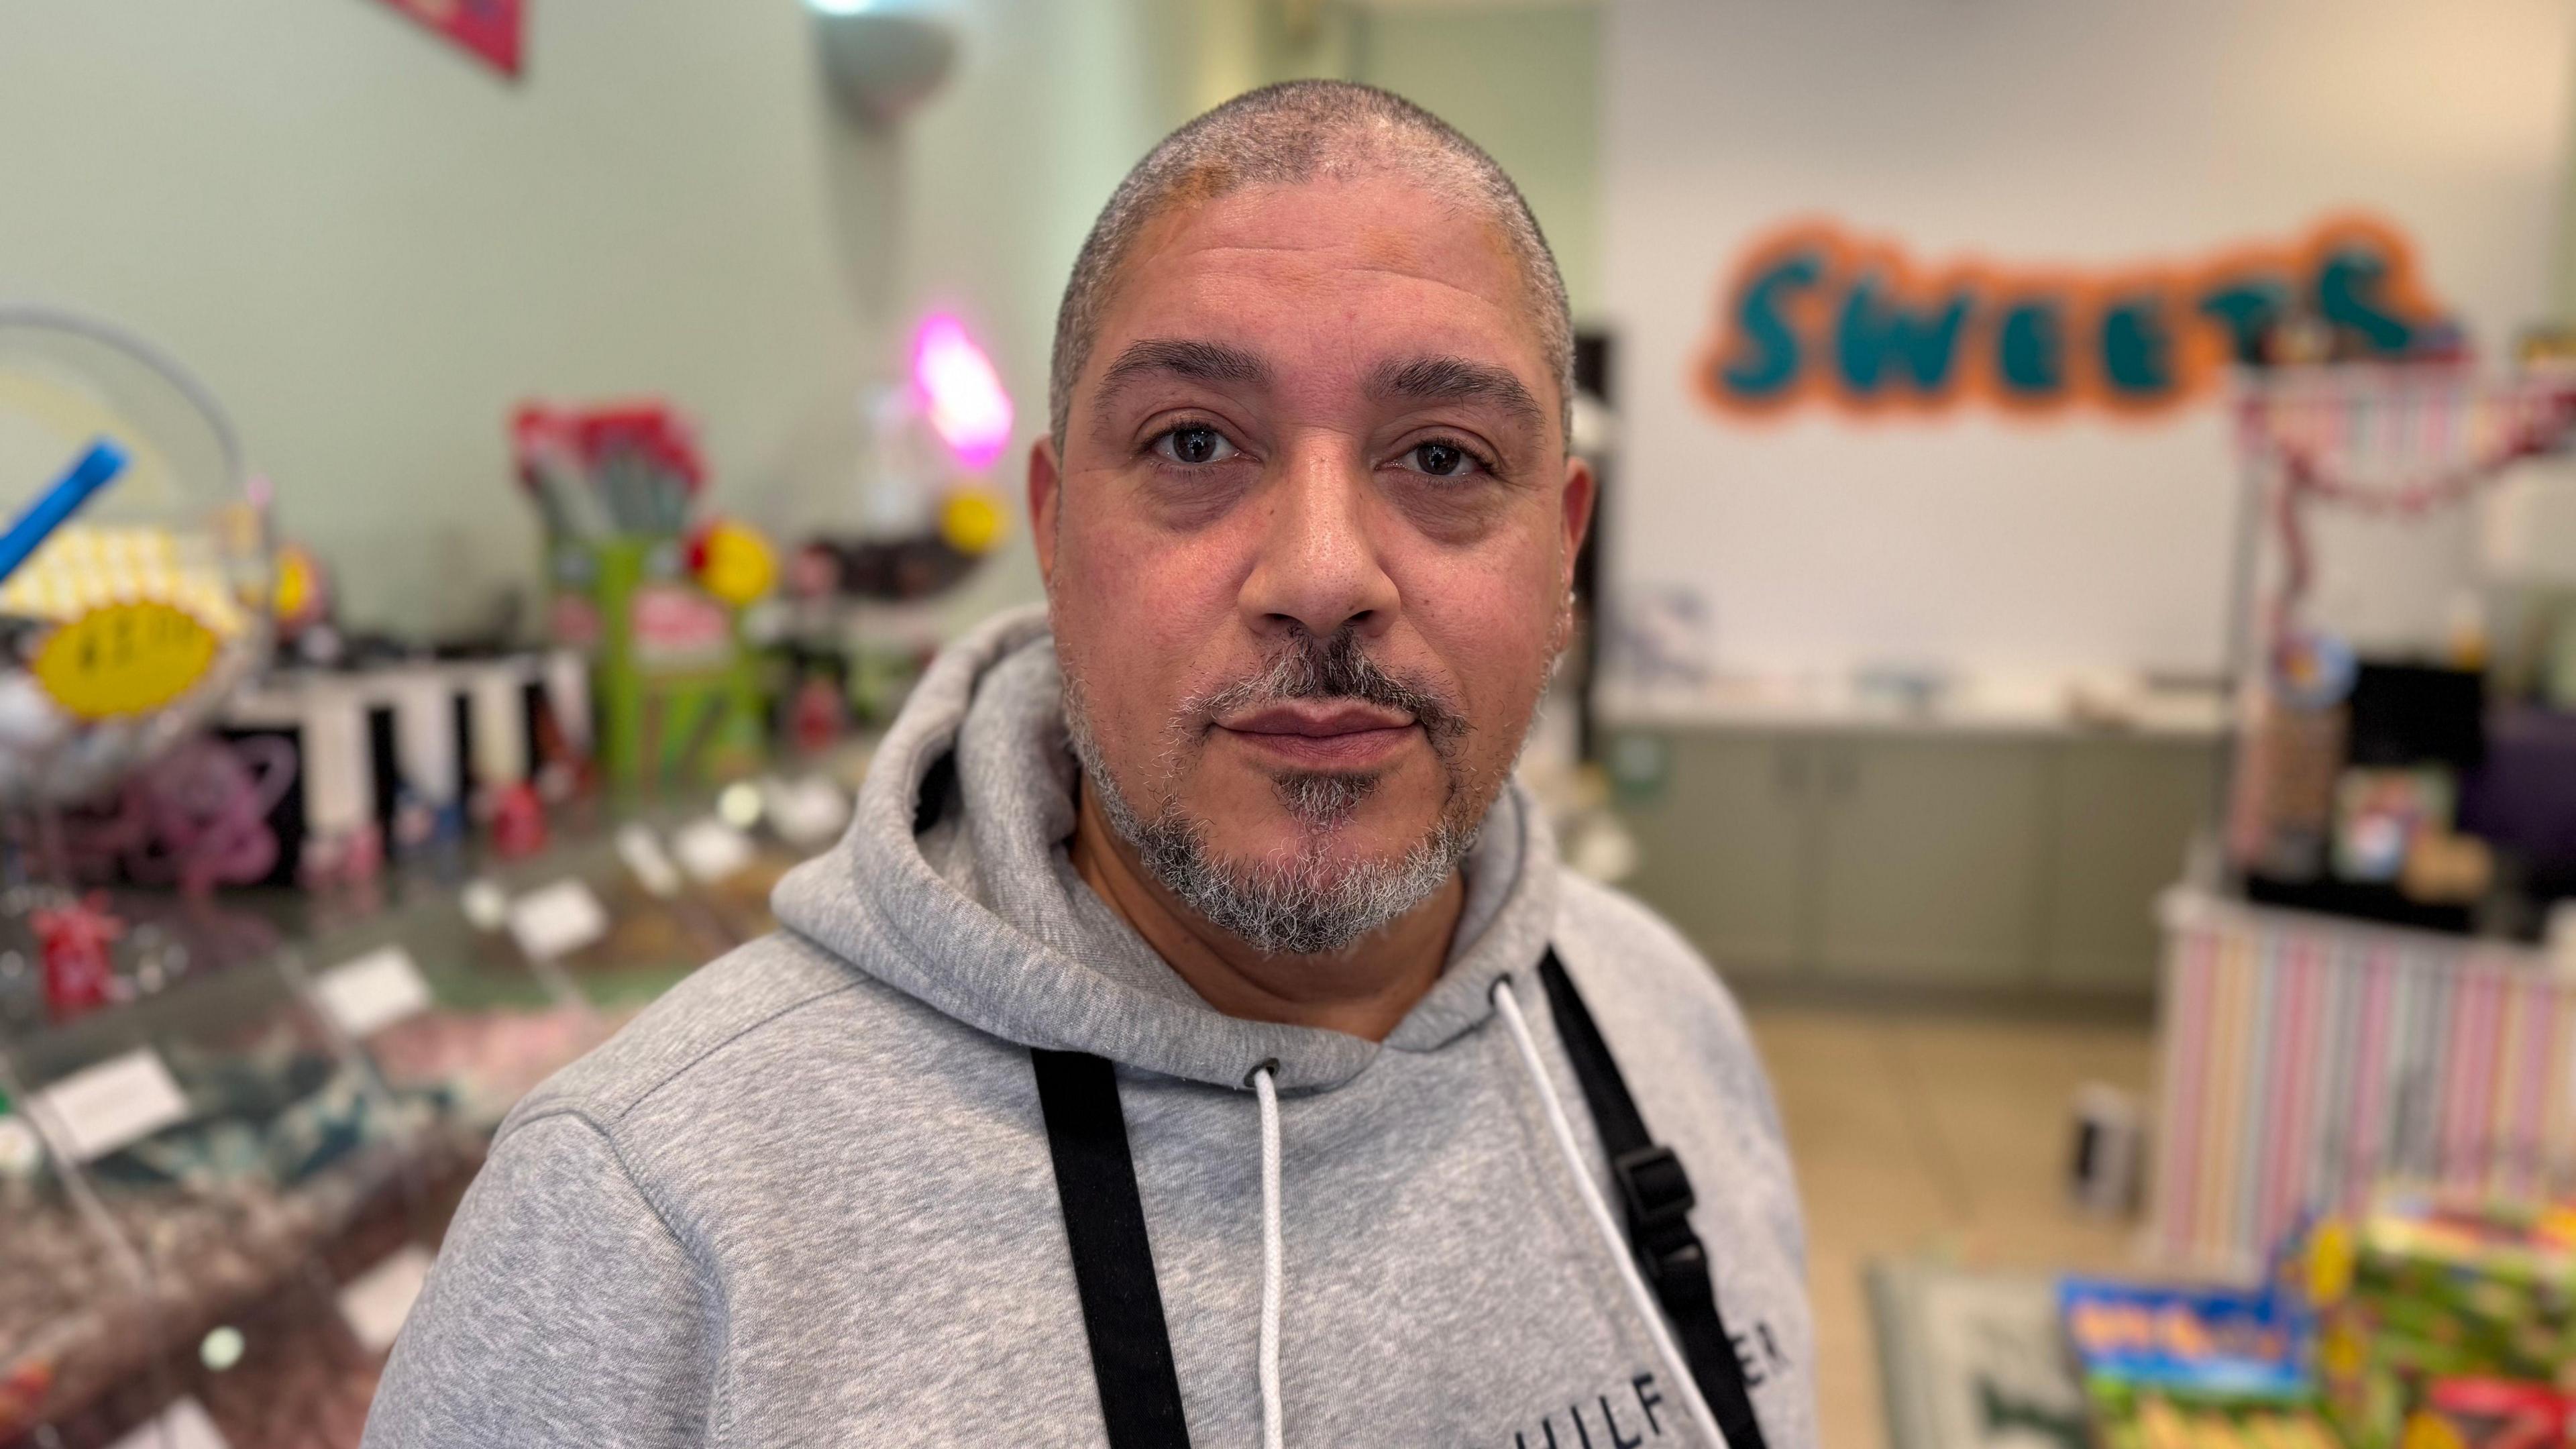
x,y
1174,1052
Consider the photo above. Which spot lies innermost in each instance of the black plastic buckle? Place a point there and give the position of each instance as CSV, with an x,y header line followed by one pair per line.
x,y
1657,1190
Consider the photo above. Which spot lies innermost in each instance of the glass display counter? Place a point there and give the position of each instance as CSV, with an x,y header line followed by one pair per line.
x,y
221,1186
213,1135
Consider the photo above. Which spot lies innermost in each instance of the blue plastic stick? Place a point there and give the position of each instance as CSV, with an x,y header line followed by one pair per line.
x,y
96,469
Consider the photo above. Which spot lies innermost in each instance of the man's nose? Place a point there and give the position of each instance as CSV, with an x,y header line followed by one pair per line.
x,y
1320,565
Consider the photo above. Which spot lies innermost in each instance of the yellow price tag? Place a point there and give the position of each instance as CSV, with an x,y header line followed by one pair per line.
x,y
121,659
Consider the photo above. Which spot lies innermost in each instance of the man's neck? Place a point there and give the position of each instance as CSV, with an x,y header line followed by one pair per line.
x,y
1364,989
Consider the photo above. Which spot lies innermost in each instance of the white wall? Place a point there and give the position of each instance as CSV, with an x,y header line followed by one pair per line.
x,y
372,247
2026,131
1519,79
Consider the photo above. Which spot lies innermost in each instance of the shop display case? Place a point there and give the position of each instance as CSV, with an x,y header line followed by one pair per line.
x,y
73,1278
292,914
218,1197
2308,1060
215,1135
2397,715
2369,982
290,1372
457,1031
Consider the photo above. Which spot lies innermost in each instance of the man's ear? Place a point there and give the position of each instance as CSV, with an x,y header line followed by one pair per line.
x,y
1580,494
1046,494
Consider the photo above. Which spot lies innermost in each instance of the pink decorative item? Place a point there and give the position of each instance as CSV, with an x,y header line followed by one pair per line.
x,y
489,30
197,818
960,391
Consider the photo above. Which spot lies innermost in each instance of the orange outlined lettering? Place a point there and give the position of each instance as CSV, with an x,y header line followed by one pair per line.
x,y
1814,313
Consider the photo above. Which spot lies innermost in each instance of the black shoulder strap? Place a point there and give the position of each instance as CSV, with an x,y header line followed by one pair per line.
x,y
1657,1195
1113,1264
1122,1305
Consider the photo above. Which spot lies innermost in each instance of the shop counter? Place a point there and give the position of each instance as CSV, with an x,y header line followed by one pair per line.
x,y
2007,853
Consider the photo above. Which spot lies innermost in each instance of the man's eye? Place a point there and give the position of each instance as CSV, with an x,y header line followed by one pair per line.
x,y
1442,460
1194,445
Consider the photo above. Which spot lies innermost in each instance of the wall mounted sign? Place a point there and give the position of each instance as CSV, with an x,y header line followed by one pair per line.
x,y
489,29
1816,314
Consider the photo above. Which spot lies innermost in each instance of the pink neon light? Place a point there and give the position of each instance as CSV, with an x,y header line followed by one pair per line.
x,y
960,390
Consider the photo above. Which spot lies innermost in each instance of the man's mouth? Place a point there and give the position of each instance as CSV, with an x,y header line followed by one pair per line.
x,y
1322,734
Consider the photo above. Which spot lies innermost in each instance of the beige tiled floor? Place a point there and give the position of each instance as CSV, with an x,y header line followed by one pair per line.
x,y
1932,1133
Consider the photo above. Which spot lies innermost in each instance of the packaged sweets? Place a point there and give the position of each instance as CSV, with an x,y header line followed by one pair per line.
x,y
2173,1367
2148,1419
2431,1298
2212,1344
2488,1414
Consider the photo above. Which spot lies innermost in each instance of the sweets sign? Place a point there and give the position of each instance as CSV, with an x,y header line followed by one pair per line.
x,y
1817,314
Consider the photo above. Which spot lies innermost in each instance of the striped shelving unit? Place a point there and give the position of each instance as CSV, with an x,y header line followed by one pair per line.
x,y
2306,1059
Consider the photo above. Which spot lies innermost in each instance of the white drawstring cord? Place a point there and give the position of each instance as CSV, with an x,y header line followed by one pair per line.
x,y
1265,1085
1611,1237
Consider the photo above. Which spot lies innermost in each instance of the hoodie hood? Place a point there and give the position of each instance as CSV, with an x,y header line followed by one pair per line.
x,y
954,887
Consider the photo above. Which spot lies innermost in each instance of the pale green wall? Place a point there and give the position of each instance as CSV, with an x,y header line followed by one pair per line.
x,y
1522,82
372,247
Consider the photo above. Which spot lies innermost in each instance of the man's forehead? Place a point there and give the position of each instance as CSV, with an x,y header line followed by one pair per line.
x,y
1287,273
1379,220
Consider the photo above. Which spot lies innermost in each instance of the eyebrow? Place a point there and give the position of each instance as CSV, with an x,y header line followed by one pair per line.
x,y
1179,357
1456,379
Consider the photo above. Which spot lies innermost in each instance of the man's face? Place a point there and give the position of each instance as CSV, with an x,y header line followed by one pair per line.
x,y
1308,544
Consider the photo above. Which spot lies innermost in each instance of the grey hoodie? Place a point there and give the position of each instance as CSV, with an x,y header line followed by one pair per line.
x,y
806,1198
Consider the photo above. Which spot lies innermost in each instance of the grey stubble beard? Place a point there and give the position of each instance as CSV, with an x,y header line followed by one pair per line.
x,y
1300,900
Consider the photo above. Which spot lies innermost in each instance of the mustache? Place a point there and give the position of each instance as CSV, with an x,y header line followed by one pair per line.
x,y
1337,667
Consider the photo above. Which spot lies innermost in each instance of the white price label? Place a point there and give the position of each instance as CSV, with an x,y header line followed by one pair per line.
x,y
183,1425
557,920
485,904
372,992
22,1152
809,813
711,850
642,851
377,1301
121,1100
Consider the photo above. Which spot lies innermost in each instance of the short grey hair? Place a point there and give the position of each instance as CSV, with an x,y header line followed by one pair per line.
x,y
1294,132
